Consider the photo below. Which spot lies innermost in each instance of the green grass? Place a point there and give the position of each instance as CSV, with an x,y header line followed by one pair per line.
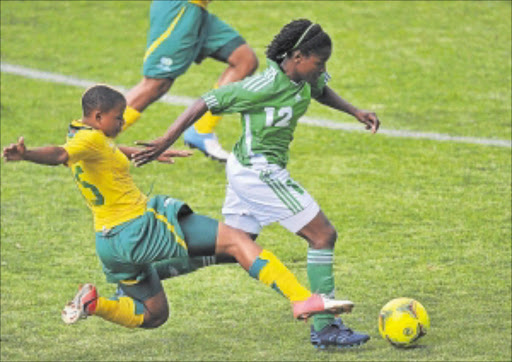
x,y
425,219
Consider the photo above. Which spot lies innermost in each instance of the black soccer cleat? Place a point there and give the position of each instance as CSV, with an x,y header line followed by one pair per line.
x,y
337,335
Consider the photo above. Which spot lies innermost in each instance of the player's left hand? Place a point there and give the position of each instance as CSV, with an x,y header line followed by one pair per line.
x,y
166,157
370,119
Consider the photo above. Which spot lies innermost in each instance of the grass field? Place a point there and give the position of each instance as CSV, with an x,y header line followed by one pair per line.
x,y
420,218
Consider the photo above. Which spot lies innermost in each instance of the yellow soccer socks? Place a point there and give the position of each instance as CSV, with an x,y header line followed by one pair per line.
x,y
208,122
122,310
131,115
205,124
268,269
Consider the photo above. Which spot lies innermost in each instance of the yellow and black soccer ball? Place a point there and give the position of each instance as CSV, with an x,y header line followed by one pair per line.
x,y
402,321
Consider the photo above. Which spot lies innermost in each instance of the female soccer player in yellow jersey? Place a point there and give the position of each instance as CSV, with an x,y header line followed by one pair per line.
x,y
132,232
260,190
180,33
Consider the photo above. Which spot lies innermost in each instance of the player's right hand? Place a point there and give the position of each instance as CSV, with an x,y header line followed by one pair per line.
x,y
15,151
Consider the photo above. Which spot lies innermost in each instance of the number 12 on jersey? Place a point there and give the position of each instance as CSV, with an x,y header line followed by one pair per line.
x,y
284,115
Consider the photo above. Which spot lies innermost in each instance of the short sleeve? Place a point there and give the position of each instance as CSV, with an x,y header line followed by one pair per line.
x,y
318,89
83,145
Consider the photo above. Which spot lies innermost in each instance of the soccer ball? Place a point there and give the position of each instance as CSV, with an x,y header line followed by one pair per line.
x,y
402,321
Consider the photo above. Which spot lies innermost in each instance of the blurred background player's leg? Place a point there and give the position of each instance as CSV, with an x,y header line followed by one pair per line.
x,y
180,33
173,42
142,95
222,43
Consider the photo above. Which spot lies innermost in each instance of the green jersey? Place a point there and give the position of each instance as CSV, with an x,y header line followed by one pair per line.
x,y
270,105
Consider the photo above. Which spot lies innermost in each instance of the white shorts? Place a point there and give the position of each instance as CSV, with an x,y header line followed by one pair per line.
x,y
262,194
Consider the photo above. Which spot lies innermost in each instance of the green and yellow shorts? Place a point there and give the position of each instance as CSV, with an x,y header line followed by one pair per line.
x,y
181,33
167,229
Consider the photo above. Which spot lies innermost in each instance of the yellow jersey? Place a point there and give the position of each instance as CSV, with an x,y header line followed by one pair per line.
x,y
101,172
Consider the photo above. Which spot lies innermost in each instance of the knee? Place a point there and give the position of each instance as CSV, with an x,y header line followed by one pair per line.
x,y
330,238
155,320
231,248
333,236
157,87
246,60
252,63
326,240
156,311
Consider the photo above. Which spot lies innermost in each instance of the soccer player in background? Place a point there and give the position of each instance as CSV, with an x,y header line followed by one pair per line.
x,y
260,190
133,232
182,32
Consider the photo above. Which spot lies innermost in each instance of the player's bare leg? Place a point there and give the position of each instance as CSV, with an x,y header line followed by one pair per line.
x,y
146,92
241,63
265,267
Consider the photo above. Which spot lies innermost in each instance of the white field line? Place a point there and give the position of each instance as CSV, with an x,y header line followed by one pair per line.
x,y
324,123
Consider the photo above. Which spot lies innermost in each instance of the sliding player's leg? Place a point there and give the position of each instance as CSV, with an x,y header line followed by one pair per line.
x,y
206,236
142,304
268,269
170,268
200,234
127,252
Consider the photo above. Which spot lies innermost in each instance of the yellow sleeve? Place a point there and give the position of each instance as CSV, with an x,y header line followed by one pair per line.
x,y
84,145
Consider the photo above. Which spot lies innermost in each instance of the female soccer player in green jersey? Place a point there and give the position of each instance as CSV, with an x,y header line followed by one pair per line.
x,y
260,190
134,232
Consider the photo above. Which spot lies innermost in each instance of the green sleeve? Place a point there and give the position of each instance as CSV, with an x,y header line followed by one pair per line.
x,y
237,97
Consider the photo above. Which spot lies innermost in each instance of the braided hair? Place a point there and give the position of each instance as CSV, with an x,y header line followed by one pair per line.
x,y
300,35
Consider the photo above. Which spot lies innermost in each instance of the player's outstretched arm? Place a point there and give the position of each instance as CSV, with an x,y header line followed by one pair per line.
x,y
331,99
156,147
165,157
50,155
